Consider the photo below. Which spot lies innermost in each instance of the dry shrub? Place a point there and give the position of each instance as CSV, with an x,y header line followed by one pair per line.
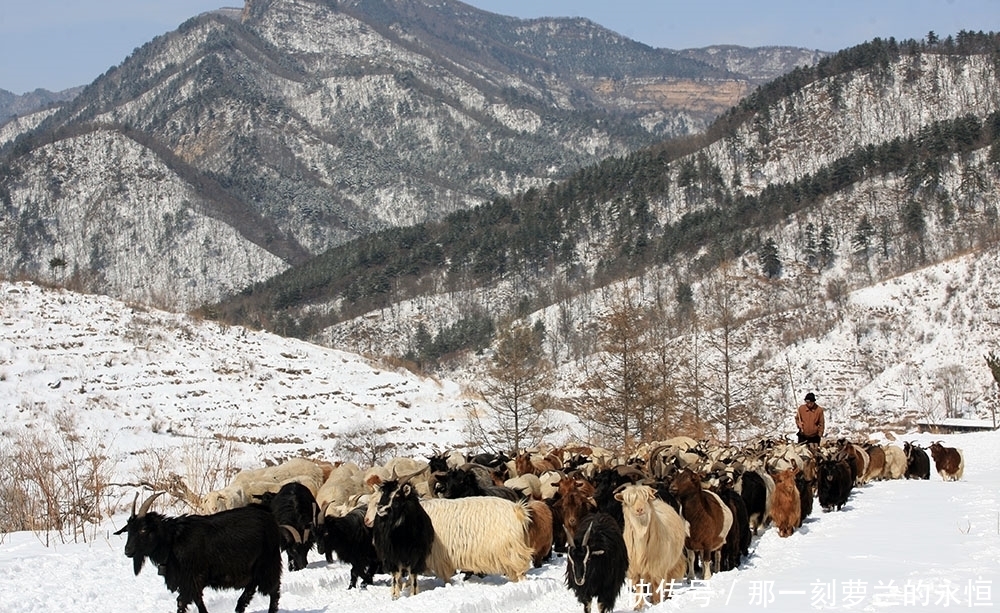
x,y
57,483
190,471
54,482
366,444
399,363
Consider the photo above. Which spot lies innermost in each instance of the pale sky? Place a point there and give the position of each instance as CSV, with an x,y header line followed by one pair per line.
x,y
57,44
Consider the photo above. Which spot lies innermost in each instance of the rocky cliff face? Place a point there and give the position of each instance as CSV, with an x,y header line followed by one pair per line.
x,y
758,64
86,217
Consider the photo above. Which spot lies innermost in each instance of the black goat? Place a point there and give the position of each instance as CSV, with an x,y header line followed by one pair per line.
x,y
493,461
294,508
402,531
918,463
237,549
438,463
737,544
351,540
753,489
806,495
459,483
834,483
596,561
606,485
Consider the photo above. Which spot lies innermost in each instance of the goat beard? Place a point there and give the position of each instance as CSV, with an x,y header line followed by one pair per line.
x,y
137,563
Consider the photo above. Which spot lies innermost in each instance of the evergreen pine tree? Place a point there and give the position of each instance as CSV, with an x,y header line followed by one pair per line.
x,y
826,252
770,262
861,241
810,248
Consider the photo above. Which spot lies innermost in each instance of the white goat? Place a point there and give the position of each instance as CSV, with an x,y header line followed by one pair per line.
x,y
654,537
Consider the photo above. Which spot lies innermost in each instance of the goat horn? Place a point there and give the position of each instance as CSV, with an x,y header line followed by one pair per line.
x,y
627,470
654,455
145,505
417,473
134,500
294,533
321,516
569,537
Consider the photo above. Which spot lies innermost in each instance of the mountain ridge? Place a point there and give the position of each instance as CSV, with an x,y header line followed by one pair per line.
x,y
332,124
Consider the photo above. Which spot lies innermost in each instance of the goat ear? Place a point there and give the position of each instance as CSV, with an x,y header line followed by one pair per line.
x,y
407,488
618,491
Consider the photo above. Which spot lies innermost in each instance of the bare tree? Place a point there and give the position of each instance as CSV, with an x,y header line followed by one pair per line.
x,y
676,354
953,382
366,443
516,391
616,395
691,374
728,382
993,361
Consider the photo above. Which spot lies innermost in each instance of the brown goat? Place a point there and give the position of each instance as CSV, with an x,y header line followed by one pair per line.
x,y
571,507
786,508
528,463
709,520
857,460
540,532
948,461
876,462
573,484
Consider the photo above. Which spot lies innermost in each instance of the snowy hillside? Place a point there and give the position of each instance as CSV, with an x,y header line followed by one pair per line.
x,y
906,350
141,379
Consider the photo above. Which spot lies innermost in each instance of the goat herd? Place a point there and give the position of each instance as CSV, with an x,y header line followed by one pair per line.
x,y
674,510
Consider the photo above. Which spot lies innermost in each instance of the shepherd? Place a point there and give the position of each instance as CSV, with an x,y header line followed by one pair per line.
x,y
810,421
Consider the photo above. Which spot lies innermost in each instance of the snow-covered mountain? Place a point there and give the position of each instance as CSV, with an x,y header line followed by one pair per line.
x,y
221,153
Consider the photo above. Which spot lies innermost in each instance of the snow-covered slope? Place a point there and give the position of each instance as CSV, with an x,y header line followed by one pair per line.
x,y
140,378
